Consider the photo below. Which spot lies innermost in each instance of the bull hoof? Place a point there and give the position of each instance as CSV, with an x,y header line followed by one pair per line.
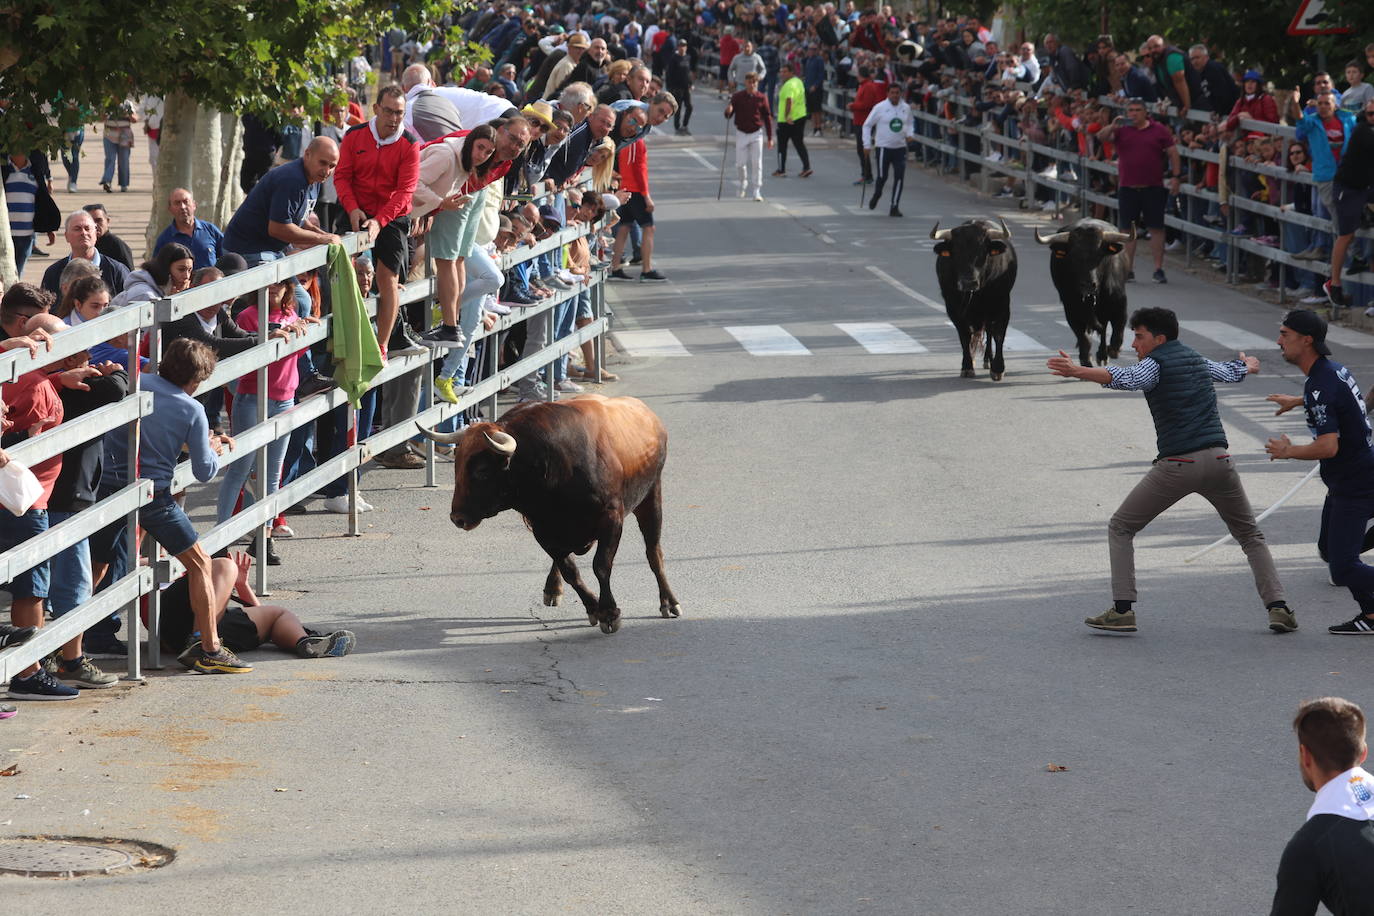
x,y
591,620
968,373
551,600
609,627
670,610
997,376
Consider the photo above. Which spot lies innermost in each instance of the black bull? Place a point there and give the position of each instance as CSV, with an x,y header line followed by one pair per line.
x,y
976,266
573,469
1088,266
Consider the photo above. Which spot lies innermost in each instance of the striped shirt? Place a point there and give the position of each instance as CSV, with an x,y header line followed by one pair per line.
x,y
1144,375
20,191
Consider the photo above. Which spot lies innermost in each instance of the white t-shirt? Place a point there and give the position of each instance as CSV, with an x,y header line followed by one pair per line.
x,y
473,107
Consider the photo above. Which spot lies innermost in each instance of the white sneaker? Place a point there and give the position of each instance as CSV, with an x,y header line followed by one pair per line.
x,y
1313,299
758,197
283,531
71,187
566,276
1052,173
1175,245
568,385
339,504
995,157
1048,206
741,193
497,308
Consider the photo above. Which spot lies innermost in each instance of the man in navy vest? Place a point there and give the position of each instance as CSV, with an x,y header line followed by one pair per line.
x,y
1192,458
1341,441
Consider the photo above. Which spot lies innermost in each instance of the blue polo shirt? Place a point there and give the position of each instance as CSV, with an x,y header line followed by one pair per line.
x,y
284,195
1332,400
205,242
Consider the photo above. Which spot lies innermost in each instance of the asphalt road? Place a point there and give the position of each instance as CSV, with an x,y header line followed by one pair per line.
x,y
883,569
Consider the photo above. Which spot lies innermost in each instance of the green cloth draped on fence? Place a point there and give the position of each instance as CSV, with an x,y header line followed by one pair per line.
x,y
357,357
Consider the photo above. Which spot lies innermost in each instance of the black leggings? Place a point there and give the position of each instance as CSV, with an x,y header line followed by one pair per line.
x,y
895,161
683,114
796,133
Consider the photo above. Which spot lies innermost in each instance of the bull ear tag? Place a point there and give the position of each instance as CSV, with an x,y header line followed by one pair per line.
x,y
1114,247
942,249
1059,253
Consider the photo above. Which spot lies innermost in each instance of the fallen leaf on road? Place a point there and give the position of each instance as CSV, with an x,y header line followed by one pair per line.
x,y
10,771
278,790
1056,768
424,508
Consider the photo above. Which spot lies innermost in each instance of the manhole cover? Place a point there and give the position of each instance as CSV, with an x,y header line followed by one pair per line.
x,y
69,857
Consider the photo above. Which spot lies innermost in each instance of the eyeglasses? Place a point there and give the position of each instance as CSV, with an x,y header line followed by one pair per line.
x,y
398,112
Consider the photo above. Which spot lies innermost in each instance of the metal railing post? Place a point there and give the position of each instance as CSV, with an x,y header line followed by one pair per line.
x,y
260,459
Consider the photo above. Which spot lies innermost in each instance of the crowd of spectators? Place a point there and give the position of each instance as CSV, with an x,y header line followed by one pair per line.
x,y
468,166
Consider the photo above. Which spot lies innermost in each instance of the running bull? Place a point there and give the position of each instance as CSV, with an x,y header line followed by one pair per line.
x,y
573,468
976,266
1088,266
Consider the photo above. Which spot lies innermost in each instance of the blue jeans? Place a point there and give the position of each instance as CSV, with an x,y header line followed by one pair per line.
x,y
15,530
483,279
23,247
367,407
116,155
564,320
71,572
236,474
71,153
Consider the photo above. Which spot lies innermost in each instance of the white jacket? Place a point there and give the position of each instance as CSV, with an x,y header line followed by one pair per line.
x,y
441,174
892,125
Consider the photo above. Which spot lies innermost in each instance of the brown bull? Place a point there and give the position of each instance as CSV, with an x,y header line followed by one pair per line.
x,y
573,468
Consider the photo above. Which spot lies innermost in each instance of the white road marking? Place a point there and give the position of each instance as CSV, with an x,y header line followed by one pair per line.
x,y
905,290
882,337
1015,340
700,158
825,238
649,343
1348,338
1230,336
767,340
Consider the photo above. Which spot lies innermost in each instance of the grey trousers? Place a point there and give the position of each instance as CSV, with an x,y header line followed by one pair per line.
x,y
1212,475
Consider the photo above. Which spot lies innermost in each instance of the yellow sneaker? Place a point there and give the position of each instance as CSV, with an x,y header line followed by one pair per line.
x,y
444,388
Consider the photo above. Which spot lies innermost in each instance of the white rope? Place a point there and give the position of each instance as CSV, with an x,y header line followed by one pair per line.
x,y
1262,516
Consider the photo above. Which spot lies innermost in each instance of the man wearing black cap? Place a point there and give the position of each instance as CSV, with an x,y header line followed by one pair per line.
x,y
1192,458
1341,436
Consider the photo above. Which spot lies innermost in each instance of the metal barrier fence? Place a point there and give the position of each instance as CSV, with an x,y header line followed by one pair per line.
x,y
1201,214
141,322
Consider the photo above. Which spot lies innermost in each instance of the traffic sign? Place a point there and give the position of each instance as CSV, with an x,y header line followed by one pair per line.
x,y
1314,19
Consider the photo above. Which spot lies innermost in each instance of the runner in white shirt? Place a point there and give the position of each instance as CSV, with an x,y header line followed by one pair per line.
x,y
888,127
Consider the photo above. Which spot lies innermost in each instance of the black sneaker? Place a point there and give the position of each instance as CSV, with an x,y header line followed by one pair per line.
x,y
313,384
1360,626
222,662
619,274
15,636
1334,294
637,258
1357,266
272,558
334,645
652,275
894,212
445,335
873,202
1159,277
104,645
1130,276
40,686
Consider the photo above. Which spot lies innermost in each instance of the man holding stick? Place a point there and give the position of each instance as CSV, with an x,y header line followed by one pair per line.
x,y
1341,438
1192,458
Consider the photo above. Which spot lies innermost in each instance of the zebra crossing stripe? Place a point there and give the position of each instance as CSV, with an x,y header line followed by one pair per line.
x,y
882,337
1230,336
1348,338
649,343
767,340
1015,340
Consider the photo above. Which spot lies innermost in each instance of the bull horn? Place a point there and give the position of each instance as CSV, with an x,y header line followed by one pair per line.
x,y
939,234
501,443
442,438
1119,236
1006,233
1051,238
